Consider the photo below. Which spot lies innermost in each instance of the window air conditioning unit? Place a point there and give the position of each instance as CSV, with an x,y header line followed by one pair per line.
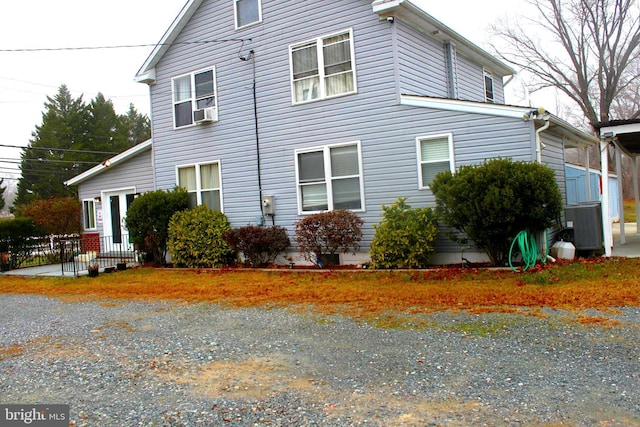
x,y
205,115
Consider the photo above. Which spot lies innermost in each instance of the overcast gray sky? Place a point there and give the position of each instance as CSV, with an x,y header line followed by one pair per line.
x,y
26,78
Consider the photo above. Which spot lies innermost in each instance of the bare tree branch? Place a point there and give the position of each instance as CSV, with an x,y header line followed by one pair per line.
x,y
588,49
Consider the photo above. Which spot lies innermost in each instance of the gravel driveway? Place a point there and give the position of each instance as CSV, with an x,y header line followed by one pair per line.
x,y
173,364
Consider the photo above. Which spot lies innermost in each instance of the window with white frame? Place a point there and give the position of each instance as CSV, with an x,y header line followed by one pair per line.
x,y
247,12
323,67
435,155
329,178
488,86
194,91
202,182
89,214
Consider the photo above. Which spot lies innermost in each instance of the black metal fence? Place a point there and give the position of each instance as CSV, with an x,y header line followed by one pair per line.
x,y
29,252
82,254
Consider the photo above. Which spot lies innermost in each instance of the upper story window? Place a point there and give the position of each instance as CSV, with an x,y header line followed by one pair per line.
x,y
202,182
329,177
89,214
323,67
488,86
435,155
194,98
247,12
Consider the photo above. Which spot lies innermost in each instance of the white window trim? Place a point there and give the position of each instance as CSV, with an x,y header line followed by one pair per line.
x,y
326,149
95,215
321,75
193,94
487,73
199,188
235,15
419,139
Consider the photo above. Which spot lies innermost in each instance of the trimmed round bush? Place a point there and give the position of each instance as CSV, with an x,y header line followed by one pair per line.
x,y
197,238
404,238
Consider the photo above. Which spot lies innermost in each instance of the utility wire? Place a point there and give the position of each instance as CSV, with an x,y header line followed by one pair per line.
x,y
58,149
125,46
43,161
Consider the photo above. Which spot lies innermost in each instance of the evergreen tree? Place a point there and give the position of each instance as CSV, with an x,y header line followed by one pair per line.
x,y
138,126
44,167
91,132
2,189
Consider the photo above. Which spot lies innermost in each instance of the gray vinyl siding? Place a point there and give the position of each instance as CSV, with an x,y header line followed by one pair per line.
x,y
552,155
471,82
421,62
422,69
136,172
385,130
283,126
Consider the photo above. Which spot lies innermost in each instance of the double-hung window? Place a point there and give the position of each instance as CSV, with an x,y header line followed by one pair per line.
x,y
488,86
202,182
247,12
435,155
330,178
323,67
89,214
191,92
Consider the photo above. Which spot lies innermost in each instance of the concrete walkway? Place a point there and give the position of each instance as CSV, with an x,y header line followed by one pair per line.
x,y
631,248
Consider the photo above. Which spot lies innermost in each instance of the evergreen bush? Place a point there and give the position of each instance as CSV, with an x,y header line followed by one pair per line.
x,y
148,221
259,245
197,238
490,203
404,238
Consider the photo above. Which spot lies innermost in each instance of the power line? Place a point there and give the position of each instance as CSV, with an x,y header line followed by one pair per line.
x,y
124,46
69,150
43,161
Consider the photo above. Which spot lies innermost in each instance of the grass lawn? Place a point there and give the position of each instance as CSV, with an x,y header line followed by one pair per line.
x,y
629,210
602,284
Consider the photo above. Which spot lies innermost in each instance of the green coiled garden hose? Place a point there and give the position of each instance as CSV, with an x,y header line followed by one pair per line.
x,y
528,249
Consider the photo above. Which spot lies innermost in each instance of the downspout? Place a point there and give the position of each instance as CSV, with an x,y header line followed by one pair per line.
x,y
541,113
539,141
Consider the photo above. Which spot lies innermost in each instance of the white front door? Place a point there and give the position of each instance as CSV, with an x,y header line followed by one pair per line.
x,y
114,207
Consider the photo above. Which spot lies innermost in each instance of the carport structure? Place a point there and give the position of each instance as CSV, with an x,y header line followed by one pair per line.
x,y
625,137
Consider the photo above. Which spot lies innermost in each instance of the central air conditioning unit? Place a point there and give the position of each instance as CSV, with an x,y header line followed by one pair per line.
x,y
586,221
205,115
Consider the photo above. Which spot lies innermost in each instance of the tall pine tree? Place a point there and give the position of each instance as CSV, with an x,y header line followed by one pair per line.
x,y
72,138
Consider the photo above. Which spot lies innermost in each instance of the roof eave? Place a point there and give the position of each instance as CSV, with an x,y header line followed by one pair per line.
x,y
143,74
579,137
113,161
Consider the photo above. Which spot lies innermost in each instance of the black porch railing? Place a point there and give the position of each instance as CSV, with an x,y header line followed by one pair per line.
x,y
79,254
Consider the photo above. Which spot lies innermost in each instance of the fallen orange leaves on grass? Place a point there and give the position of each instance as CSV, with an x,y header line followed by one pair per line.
x,y
580,285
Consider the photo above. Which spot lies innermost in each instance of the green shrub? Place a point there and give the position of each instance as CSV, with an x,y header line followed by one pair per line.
x,y
148,221
260,245
404,238
196,238
16,239
492,202
327,233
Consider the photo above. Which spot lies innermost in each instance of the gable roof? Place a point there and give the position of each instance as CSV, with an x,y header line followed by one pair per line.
x,y
404,9
118,158
430,26
146,73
